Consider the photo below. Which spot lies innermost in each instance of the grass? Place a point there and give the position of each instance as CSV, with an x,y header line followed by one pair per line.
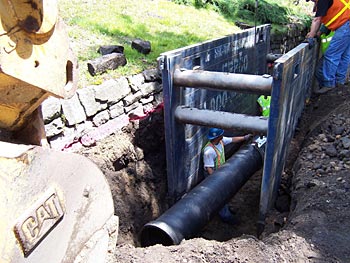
x,y
165,24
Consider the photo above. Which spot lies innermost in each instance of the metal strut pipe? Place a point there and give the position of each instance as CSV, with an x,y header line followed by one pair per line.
x,y
243,83
220,119
196,208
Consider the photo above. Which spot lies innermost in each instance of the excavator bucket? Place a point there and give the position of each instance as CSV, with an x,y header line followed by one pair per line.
x,y
54,207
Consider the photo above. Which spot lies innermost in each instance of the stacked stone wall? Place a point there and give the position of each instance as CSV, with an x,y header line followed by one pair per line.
x,y
95,112
282,42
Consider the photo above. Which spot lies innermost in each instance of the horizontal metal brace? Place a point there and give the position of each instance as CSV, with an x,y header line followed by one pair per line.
x,y
242,83
221,119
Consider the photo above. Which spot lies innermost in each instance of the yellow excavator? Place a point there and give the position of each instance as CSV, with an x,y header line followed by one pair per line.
x,y
54,206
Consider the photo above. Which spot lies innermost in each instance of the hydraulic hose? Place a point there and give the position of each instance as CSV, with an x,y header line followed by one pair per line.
x,y
202,203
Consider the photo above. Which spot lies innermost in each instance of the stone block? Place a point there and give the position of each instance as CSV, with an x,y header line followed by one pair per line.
x,y
136,81
101,118
51,109
132,98
106,62
116,110
150,88
151,75
131,107
73,111
87,99
112,91
54,128
109,49
147,100
141,46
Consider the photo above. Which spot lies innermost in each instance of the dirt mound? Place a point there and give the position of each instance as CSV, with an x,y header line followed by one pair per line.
x,y
315,184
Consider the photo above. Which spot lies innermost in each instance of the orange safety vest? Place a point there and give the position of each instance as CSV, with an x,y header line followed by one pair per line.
x,y
337,14
220,159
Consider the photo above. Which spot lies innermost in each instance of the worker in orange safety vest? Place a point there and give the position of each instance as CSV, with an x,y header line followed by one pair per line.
x,y
333,67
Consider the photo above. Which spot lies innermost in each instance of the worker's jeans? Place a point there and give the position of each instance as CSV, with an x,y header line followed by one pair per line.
x,y
225,212
333,66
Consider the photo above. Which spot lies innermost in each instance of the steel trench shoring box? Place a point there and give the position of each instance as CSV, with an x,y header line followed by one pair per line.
x,y
293,77
244,52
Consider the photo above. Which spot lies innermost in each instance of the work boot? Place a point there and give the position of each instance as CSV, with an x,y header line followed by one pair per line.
x,y
323,90
231,219
340,85
227,217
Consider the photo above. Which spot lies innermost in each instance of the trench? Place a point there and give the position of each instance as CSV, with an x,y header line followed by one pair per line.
x,y
134,164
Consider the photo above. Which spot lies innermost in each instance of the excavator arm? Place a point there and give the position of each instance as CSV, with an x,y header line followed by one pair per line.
x,y
35,61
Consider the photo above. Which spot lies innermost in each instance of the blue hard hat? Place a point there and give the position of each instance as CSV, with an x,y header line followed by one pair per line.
x,y
214,133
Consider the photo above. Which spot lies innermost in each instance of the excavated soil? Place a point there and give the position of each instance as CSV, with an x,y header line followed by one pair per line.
x,y
311,219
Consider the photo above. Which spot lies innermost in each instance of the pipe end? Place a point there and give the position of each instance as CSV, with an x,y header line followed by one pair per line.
x,y
156,232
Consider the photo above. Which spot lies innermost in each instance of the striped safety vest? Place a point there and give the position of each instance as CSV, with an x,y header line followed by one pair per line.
x,y
337,14
220,159
265,105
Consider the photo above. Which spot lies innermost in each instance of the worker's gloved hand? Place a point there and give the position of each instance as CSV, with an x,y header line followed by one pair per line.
x,y
248,137
311,41
324,30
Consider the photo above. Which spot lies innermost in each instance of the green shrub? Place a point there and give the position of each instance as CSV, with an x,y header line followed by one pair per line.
x,y
268,11
184,2
224,7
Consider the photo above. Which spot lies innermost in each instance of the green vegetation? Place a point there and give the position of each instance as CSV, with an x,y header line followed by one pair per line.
x,y
268,11
168,25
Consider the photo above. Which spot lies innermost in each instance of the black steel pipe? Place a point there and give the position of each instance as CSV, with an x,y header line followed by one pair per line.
x,y
196,208
243,83
221,119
